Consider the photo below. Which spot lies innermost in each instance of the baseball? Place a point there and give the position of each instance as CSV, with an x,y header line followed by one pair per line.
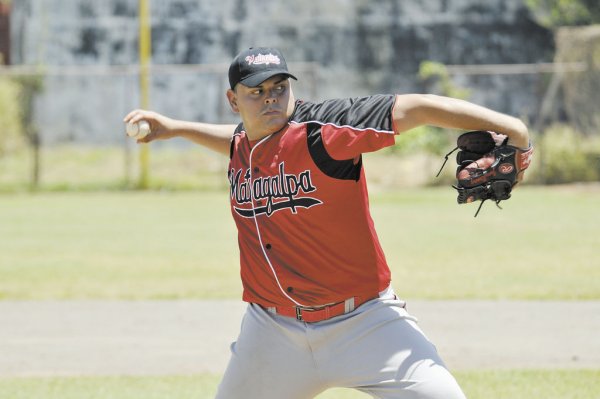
x,y
138,130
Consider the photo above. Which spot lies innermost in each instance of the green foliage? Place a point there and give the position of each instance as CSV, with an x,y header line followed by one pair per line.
x,y
428,139
563,155
436,74
20,94
30,87
556,13
11,128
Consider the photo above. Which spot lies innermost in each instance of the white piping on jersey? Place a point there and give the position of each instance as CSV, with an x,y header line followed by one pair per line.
x,y
262,247
346,126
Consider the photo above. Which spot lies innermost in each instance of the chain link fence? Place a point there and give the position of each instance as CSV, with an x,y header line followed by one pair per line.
x,y
76,120
78,116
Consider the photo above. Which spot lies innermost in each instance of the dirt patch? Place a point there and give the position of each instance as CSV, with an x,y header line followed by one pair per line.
x,y
183,337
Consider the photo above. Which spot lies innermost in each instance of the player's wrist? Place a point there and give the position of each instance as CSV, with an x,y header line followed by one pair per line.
x,y
178,128
519,136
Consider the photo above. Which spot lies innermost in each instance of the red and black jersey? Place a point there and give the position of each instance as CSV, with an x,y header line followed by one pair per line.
x,y
300,203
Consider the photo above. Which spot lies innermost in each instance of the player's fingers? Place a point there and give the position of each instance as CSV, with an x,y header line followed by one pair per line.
x,y
147,138
131,115
138,115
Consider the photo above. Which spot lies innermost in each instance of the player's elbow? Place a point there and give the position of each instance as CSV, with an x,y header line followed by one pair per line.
x,y
521,138
410,110
517,132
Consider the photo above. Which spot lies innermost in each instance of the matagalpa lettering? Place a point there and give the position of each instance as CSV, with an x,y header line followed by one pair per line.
x,y
282,185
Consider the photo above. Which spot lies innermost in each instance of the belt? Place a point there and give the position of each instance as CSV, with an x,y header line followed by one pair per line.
x,y
320,313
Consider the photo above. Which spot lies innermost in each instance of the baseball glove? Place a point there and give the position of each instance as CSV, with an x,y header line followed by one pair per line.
x,y
488,168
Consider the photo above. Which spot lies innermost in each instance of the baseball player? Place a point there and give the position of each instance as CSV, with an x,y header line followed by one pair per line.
x,y
321,312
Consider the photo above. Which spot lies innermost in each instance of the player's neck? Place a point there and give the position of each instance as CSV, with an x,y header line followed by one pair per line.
x,y
255,137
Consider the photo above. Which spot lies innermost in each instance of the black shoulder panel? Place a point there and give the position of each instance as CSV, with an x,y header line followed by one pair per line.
x,y
343,170
373,112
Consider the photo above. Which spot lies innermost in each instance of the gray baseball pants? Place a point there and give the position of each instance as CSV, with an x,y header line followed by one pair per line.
x,y
378,349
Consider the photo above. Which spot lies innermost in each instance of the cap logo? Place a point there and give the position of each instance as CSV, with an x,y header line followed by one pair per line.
x,y
260,59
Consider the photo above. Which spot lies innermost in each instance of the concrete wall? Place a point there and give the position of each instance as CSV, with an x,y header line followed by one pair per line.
x,y
362,47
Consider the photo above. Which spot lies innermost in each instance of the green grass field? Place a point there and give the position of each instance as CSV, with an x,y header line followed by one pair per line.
x,y
167,245
522,384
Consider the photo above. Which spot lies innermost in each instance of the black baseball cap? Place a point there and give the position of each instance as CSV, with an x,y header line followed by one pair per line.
x,y
253,66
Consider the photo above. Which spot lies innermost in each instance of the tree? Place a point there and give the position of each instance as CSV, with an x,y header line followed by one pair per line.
x,y
436,76
11,128
30,87
557,13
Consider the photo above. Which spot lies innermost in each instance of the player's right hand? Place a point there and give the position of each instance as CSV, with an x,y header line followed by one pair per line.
x,y
161,127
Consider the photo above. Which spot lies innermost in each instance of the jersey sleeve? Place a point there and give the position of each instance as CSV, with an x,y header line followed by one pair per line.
x,y
350,127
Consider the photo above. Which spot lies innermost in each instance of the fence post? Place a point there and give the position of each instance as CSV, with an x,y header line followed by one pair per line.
x,y
145,53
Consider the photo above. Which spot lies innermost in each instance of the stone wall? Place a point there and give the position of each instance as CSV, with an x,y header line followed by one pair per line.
x,y
361,47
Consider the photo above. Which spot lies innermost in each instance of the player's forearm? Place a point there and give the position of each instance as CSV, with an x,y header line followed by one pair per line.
x,y
414,110
213,136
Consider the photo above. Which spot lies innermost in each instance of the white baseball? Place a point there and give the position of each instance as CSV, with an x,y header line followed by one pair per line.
x,y
138,130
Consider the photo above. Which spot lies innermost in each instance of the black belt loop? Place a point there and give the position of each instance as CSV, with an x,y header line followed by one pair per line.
x,y
298,313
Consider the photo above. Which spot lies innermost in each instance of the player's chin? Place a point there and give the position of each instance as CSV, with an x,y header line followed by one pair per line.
x,y
274,123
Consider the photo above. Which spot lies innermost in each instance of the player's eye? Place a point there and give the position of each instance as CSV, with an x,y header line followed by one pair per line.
x,y
256,92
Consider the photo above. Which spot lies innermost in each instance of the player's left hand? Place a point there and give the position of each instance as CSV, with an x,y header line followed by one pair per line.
x,y
488,168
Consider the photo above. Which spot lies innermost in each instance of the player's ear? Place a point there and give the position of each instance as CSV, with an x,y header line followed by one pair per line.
x,y
232,98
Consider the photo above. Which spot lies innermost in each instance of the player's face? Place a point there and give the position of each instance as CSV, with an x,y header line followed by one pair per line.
x,y
264,109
